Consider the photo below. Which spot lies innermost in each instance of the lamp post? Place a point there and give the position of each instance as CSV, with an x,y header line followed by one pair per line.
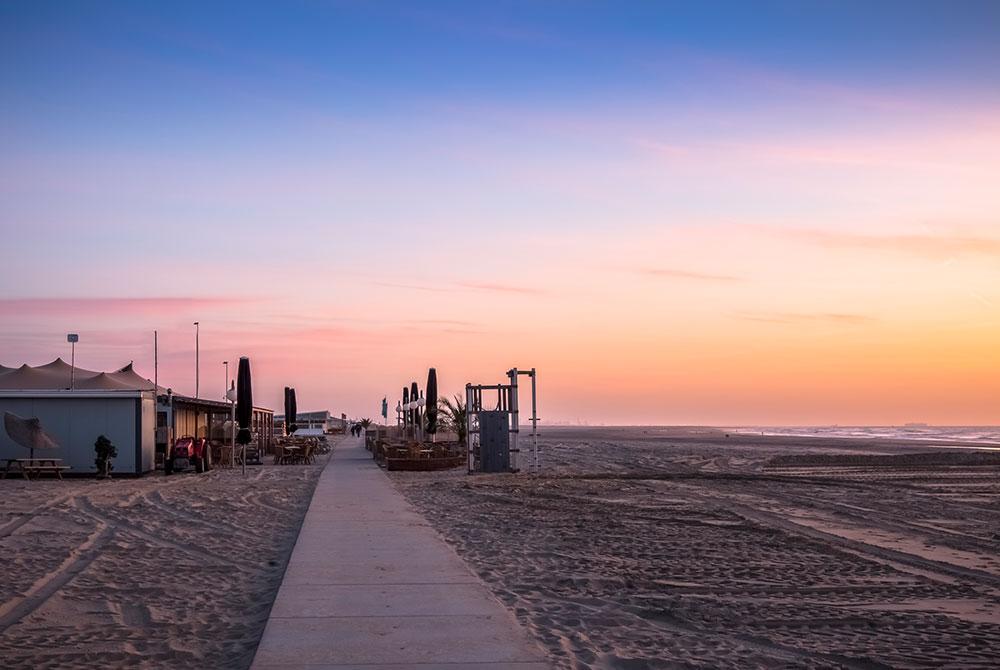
x,y
231,397
420,411
197,357
412,406
226,363
72,338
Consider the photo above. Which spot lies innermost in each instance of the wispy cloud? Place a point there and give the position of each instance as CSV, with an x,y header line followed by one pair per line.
x,y
473,286
785,82
413,287
929,245
672,273
805,317
17,307
501,288
440,322
490,26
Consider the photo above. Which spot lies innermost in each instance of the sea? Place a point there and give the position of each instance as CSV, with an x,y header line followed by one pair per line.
x,y
972,435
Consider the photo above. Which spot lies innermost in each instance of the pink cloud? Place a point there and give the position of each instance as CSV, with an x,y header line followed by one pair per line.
x,y
20,307
934,246
669,273
502,288
805,317
468,285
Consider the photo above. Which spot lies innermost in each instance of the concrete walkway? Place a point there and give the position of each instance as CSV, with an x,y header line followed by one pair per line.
x,y
371,585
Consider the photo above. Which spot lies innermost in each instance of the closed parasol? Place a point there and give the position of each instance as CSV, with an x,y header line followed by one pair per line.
x,y
289,413
414,396
244,402
292,413
431,407
28,433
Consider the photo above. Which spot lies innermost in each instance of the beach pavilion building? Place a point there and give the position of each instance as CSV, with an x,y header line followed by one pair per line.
x,y
323,420
75,406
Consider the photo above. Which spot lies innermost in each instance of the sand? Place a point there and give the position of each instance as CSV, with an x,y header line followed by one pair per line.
x,y
652,548
157,572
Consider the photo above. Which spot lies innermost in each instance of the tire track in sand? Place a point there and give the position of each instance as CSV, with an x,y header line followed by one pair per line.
x,y
78,560
87,508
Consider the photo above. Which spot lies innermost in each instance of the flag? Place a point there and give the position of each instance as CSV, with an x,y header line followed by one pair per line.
x,y
385,409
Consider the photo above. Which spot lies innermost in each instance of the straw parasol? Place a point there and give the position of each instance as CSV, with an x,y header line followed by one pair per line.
x,y
28,433
432,401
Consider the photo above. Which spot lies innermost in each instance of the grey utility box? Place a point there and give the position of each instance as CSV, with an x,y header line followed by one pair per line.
x,y
494,441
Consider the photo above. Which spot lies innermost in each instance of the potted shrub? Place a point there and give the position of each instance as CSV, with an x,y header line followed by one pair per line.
x,y
105,452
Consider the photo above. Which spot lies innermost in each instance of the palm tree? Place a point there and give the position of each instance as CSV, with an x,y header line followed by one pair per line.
x,y
454,416
365,424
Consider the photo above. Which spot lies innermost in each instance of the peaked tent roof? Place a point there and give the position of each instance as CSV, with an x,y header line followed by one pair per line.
x,y
128,375
56,376
105,381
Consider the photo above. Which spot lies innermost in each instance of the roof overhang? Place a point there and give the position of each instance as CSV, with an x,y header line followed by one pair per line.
x,y
74,394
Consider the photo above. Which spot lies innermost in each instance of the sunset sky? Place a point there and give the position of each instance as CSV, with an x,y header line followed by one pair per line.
x,y
701,213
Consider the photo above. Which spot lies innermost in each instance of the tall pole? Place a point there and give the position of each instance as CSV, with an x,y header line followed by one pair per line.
x,y
232,423
515,421
72,339
226,363
534,419
197,358
156,367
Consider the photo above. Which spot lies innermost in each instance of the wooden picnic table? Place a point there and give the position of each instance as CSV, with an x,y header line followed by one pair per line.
x,y
34,466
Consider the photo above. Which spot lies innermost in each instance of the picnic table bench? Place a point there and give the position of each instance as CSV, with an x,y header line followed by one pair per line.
x,y
34,466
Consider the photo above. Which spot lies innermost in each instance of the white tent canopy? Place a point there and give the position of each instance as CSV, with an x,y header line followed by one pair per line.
x,y
56,376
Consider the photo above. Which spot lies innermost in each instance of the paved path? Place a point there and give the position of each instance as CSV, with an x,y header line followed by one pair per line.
x,y
370,585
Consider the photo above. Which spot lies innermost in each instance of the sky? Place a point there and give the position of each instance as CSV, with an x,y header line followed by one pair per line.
x,y
719,213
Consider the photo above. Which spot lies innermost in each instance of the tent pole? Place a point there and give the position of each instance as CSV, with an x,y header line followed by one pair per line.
x,y
534,419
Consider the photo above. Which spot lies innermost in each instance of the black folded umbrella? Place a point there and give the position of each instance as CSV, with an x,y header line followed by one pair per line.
x,y
406,412
293,410
244,402
431,408
287,422
415,413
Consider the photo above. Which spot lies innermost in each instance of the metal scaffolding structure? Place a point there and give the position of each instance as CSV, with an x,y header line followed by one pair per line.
x,y
507,402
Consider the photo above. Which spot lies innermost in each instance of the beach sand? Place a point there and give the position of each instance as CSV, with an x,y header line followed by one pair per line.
x,y
157,572
661,548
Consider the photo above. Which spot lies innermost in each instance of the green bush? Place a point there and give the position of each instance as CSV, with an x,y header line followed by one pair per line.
x,y
105,452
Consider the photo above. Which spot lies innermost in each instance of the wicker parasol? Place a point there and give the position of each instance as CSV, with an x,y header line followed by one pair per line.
x,y
28,433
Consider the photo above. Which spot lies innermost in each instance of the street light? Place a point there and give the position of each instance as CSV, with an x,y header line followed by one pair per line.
x,y
419,413
72,338
197,358
231,396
